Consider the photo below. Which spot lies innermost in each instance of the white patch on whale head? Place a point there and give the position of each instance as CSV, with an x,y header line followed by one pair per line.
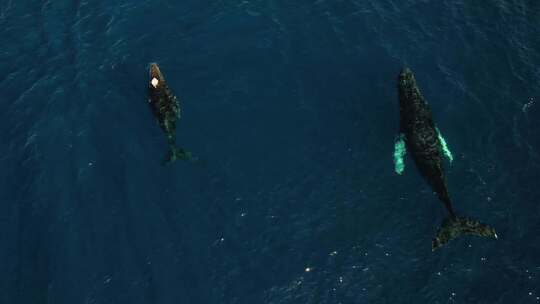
x,y
154,82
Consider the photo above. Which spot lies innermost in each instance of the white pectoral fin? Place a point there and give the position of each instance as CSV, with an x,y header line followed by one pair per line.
x,y
400,150
444,146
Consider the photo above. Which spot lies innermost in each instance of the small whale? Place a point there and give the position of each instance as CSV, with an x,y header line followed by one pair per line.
x,y
420,136
166,109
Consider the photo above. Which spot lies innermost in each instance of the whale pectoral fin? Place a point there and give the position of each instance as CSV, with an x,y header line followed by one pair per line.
x,y
444,146
176,107
400,150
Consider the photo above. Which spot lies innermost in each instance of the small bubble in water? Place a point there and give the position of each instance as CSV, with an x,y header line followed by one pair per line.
x,y
527,105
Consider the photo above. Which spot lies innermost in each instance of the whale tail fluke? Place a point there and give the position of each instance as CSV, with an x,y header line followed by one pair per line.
x,y
176,153
453,227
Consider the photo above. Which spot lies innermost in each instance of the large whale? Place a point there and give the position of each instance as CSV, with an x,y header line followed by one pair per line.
x,y
423,140
166,109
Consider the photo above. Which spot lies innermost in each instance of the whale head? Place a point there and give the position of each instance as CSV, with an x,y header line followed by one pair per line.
x,y
410,98
406,78
156,77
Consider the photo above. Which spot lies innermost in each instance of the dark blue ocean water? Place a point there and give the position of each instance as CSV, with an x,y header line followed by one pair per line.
x,y
292,108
